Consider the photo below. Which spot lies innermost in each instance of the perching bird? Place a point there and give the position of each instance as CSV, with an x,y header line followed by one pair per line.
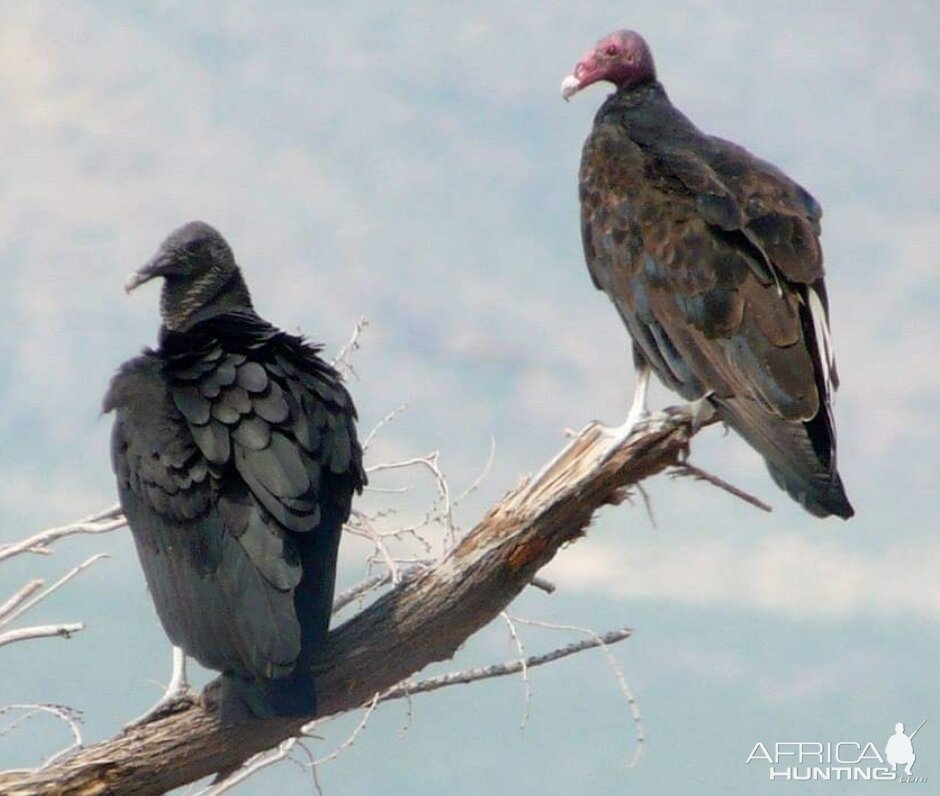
x,y
712,258
235,450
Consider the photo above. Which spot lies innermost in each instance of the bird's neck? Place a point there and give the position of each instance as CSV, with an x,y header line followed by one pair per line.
x,y
184,304
647,116
651,91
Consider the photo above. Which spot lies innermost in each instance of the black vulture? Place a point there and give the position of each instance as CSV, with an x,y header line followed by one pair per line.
x,y
712,258
235,450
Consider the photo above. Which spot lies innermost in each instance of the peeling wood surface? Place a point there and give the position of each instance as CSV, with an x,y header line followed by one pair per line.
x,y
422,621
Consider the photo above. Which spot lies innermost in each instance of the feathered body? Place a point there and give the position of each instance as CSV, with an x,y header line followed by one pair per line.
x,y
236,456
712,258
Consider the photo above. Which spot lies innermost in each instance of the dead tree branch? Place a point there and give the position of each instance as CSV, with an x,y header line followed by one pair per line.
x,y
103,522
19,597
70,717
20,605
26,598
503,669
603,642
64,630
425,619
684,468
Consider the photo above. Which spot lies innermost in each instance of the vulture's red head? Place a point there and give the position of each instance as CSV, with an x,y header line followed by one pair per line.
x,y
623,58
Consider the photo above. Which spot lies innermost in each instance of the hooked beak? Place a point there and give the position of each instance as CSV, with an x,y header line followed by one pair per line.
x,y
154,268
586,71
569,87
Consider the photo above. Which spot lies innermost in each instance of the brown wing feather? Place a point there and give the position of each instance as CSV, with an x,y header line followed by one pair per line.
x,y
656,235
709,255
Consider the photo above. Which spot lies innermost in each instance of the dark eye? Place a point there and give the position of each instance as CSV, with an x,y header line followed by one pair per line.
x,y
612,49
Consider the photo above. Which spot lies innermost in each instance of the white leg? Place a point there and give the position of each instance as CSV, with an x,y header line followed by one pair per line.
x,y
179,685
176,691
702,412
639,411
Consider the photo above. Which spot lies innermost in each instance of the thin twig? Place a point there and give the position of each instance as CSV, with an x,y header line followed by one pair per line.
x,y
388,418
260,761
307,729
19,597
316,781
343,360
545,585
309,766
351,594
444,514
69,716
482,476
390,490
40,631
25,606
101,522
618,673
526,690
684,468
502,669
647,504
409,711
364,525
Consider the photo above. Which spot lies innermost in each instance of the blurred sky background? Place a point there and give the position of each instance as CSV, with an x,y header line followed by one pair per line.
x,y
415,164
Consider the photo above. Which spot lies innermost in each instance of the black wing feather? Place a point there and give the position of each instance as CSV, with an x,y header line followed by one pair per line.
x,y
235,502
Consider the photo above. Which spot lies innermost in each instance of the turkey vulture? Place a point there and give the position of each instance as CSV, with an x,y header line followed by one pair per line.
x,y
712,258
235,451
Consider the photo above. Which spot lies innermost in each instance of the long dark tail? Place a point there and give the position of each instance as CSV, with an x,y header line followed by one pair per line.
x,y
295,694
800,456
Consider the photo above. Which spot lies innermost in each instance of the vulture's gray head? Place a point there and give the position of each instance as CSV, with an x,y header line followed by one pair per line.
x,y
622,58
200,277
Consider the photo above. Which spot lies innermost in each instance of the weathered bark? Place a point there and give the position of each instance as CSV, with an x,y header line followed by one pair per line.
x,y
424,620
